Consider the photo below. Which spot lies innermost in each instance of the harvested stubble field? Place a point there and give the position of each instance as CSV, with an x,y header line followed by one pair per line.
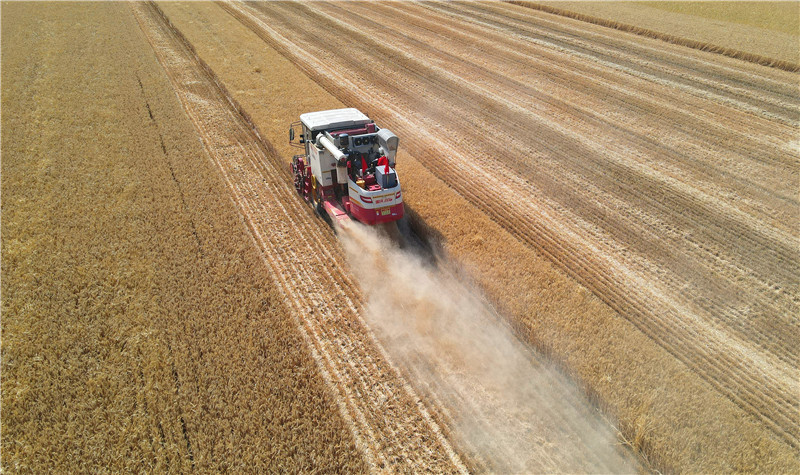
x,y
629,205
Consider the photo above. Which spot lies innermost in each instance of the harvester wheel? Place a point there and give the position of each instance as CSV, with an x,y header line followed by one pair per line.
x,y
314,192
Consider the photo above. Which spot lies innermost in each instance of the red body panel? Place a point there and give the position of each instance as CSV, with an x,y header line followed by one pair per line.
x,y
375,216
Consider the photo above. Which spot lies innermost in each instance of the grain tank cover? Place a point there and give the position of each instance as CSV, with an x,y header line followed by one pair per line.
x,y
334,119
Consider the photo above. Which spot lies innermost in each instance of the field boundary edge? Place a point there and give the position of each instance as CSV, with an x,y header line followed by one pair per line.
x,y
666,37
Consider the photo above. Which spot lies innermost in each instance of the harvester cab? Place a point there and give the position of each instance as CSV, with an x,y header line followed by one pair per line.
x,y
347,169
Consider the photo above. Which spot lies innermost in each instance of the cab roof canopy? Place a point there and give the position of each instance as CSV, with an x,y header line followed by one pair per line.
x,y
334,119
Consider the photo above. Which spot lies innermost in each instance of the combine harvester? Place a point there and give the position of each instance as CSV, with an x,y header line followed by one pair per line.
x,y
347,169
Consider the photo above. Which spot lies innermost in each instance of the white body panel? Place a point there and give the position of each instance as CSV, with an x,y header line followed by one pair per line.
x,y
380,198
323,166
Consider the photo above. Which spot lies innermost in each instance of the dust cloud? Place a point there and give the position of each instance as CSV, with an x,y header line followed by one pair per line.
x,y
506,406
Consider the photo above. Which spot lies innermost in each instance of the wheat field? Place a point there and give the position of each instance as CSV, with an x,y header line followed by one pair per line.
x,y
139,332
767,29
616,213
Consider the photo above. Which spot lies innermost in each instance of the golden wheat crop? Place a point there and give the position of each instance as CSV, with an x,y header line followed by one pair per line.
x,y
139,330
780,16
664,408
761,32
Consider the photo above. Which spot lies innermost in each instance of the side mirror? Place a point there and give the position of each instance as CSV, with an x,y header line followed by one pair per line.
x,y
291,134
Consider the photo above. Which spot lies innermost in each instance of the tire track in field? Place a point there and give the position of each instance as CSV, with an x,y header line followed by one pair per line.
x,y
390,424
596,243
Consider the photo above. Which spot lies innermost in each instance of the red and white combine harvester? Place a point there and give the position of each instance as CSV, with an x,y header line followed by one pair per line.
x,y
348,166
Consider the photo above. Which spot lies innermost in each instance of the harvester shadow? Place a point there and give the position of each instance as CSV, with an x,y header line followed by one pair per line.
x,y
421,238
